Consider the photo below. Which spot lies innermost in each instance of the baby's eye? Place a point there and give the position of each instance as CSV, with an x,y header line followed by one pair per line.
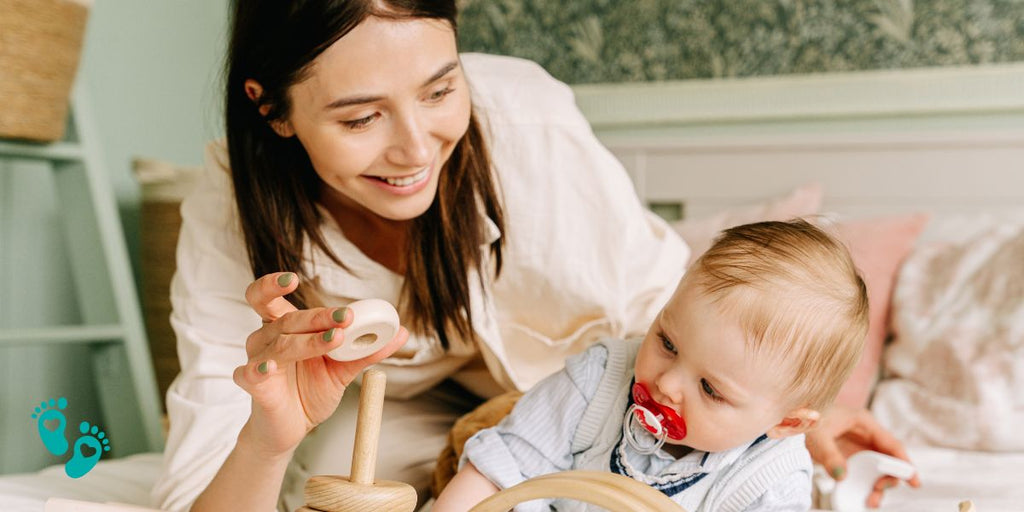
x,y
710,391
667,344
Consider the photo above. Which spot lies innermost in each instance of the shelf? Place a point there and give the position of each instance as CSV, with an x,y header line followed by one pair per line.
x,y
61,334
56,151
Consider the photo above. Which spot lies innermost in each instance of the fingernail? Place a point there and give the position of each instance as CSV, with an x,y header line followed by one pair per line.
x,y
339,315
262,368
285,279
329,334
838,472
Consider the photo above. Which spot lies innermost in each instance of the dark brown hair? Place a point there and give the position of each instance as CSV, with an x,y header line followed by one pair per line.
x,y
274,42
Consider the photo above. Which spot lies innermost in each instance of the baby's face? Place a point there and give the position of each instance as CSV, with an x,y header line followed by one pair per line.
x,y
695,359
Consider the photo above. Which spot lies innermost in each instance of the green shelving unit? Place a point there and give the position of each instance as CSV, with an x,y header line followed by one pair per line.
x,y
111,321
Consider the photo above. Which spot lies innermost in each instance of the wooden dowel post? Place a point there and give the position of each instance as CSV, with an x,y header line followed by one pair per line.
x,y
371,405
361,492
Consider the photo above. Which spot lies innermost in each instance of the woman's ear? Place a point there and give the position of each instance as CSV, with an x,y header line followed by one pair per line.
x,y
796,422
254,91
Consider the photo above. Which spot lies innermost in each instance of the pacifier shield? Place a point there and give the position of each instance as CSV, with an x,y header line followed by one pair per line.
x,y
666,418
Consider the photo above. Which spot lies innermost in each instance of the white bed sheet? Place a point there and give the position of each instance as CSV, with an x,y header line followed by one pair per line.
x,y
993,481
125,480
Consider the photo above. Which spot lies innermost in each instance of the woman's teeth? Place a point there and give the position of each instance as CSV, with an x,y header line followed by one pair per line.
x,y
408,180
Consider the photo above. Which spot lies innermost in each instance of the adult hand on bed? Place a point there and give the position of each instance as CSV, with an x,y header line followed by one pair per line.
x,y
294,385
844,431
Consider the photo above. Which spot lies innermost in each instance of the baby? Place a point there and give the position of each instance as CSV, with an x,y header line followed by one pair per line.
x,y
711,406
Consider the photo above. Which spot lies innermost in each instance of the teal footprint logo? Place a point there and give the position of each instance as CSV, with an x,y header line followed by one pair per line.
x,y
88,448
51,423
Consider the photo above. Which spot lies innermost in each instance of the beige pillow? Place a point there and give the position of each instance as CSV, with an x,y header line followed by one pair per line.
x,y
700,233
954,373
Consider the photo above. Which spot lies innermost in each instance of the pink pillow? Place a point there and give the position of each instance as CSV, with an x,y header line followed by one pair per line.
x,y
700,233
878,247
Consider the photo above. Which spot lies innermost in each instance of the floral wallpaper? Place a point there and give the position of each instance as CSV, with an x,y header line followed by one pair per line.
x,y
583,41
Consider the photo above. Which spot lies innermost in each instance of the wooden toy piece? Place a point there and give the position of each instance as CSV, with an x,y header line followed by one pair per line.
x,y
966,506
614,492
359,492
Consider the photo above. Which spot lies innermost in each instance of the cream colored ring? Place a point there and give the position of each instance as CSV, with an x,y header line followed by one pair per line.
x,y
374,324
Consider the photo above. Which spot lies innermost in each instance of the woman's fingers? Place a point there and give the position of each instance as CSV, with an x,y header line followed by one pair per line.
x,y
289,348
280,335
823,448
312,320
266,295
250,376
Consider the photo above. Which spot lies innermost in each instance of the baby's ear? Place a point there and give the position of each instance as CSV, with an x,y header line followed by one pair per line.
x,y
796,422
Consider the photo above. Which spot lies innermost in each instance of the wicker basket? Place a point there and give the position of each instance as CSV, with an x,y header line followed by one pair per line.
x,y
163,187
40,44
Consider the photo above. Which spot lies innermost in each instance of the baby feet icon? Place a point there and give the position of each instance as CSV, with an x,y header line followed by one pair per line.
x,y
88,449
51,423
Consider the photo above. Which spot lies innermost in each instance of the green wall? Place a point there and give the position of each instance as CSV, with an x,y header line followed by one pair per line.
x,y
585,41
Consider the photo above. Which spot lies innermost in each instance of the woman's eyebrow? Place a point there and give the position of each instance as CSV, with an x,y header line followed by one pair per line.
x,y
359,100
441,72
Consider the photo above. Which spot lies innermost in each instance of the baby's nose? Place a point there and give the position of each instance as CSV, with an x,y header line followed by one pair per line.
x,y
671,392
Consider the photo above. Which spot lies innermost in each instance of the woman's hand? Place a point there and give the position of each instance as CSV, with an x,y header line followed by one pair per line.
x,y
844,431
294,385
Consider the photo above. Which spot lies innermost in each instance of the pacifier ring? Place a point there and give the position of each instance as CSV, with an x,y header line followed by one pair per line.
x,y
644,418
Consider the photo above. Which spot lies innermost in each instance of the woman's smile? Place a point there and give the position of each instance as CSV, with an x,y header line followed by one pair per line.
x,y
403,185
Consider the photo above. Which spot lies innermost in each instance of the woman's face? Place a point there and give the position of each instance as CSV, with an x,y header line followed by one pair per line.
x,y
380,114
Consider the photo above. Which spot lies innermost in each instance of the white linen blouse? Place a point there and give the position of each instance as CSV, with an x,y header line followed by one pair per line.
x,y
583,260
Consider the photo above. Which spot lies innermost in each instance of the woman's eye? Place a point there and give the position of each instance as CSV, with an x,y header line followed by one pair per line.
x,y
361,122
710,391
439,94
667,344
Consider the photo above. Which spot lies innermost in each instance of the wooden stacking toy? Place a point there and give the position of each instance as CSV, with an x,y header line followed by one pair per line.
x,y
360,492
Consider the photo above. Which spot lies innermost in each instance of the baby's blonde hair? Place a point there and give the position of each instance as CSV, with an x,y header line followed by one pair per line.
x,y
798,297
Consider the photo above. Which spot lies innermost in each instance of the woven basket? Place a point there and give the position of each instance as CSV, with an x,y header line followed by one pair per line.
x,y
163,187
40,44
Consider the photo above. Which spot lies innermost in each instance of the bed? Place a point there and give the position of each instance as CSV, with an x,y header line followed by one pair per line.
x,y
872,152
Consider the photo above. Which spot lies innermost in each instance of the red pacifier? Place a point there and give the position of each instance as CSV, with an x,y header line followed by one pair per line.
x,y
660,420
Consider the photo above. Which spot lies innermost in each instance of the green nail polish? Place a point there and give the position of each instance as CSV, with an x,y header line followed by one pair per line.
x,y
838,472
339,315
262,368
285,279
329,335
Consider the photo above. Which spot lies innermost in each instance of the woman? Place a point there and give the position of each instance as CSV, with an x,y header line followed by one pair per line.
x,y
367,159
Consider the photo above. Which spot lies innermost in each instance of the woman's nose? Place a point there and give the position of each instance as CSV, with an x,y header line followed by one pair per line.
x,y
410,145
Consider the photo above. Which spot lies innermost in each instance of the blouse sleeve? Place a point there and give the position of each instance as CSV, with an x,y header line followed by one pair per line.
x,y
211,320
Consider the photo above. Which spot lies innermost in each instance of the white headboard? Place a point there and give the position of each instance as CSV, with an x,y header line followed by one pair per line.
x,y
941,140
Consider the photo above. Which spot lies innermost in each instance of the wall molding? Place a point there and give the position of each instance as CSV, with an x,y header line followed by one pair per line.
x,y
994,92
